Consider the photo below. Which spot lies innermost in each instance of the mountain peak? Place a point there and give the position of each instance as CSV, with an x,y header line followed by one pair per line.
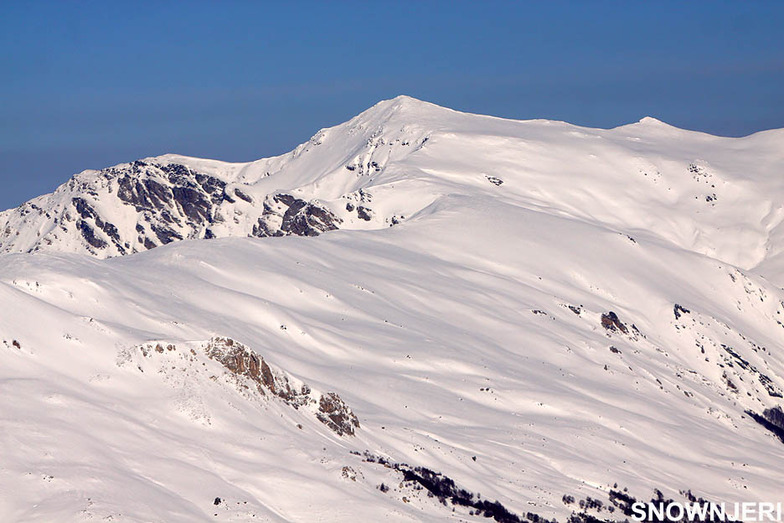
x,y
403,107
404,101
651,121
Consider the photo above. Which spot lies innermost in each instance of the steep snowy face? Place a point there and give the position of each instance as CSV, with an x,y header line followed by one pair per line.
x,y
720,197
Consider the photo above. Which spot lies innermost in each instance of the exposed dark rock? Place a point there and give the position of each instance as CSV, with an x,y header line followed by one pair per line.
x,y
242,196
165,235
678,310
611,322
167,217
172,203
336,415
88,233
193,204
771,419
110,230
775,416
363,213
307,219
445,489
241,361
148,243
143,194
213,186
295,216
262,230
86,211
83,208
772,389
191,194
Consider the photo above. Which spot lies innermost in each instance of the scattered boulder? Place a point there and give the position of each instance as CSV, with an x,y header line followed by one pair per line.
x,y
494,180
363,213
611,322
679,310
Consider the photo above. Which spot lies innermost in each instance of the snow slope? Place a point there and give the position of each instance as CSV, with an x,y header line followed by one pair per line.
x,y
532,309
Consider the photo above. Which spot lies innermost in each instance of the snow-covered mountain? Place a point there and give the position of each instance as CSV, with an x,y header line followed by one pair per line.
x,y
501,318
716,196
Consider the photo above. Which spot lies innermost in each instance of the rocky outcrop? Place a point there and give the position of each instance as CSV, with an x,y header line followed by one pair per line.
x,y
144,204
679,310
771,419
244,369
336,415
173,201
611,322
242,362
285,215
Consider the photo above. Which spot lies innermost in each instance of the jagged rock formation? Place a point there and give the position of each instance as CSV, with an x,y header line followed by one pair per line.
x,y
611,322
144,204
284,214
248,368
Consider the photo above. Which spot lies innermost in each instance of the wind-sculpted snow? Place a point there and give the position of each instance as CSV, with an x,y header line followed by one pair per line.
x,y
520,320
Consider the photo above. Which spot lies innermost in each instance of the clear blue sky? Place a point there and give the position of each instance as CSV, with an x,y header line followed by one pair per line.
x,y
91,84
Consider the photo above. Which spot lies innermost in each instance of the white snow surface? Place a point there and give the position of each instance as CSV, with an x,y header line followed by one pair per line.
x,y
462,324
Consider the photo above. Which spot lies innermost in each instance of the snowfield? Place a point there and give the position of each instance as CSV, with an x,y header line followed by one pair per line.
x,y
532,309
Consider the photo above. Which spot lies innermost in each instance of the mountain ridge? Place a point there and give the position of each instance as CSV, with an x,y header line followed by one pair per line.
x,y
407,153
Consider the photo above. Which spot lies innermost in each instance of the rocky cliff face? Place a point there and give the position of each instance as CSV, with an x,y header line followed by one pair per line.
x,y
248,372
141,205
